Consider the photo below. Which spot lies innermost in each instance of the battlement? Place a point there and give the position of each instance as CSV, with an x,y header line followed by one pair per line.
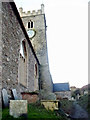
x,y
33,12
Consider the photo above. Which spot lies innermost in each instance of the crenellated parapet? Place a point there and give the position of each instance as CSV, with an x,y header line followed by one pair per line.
x,y
33,12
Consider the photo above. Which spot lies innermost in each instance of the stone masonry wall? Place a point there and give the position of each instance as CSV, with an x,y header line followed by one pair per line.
x,y
0,55
12,35
39,43
32,83
31,98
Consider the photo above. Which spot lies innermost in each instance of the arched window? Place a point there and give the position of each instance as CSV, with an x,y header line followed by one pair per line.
x,y
36,70
24,47
30,24
23,51
22,68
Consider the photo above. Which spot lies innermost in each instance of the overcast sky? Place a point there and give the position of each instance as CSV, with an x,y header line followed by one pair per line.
x,y
67,38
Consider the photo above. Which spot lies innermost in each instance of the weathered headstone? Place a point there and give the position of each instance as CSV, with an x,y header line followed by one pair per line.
x,y
5,98
18,108
14,93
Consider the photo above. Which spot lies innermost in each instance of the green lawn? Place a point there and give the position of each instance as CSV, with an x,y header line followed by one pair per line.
x,y
35,111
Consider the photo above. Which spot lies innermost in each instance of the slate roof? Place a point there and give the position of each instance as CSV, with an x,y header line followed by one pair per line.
x,y
58,87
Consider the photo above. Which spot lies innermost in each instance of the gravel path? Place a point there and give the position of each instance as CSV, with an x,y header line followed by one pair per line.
x,y
79,112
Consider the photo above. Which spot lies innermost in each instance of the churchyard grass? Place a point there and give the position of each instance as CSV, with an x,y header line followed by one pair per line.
x,y
35,111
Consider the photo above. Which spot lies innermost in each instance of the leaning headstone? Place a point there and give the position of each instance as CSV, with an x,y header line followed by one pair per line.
x,y
14,93
5,98
18,108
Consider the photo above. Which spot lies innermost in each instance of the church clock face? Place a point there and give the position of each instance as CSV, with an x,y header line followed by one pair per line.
x,y
31,33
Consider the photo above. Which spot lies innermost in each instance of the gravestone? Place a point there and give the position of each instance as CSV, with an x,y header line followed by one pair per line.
x,y
5,98
18,108
50,104
14,93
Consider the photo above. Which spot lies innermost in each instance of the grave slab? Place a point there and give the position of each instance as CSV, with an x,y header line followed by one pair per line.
x,y
18,108
50,104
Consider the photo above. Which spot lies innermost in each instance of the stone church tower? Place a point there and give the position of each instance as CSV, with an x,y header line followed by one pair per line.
x,y
35,24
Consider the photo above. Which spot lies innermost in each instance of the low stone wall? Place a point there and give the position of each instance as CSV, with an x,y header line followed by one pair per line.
x,y
50,104
30,97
